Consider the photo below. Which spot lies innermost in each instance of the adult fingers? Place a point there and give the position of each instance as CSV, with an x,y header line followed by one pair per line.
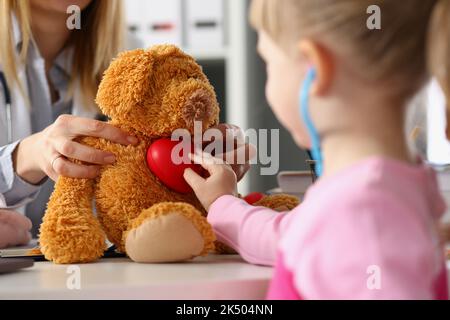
x,y
233,148
239,159
242,154
15,219
75,126
66,168
23,237
229,131
10,236
75,150
240,170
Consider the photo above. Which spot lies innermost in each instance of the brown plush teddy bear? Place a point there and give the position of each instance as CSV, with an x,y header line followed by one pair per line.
x,y
149,94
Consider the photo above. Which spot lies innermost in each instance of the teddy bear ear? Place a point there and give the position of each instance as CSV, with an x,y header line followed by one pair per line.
x,y
186,103
126,82
200,105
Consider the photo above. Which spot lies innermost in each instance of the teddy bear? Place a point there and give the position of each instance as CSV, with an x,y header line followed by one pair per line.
x,y
147,93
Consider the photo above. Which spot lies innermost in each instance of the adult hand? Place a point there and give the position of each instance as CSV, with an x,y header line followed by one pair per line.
x,y
45,153
238,150
14,229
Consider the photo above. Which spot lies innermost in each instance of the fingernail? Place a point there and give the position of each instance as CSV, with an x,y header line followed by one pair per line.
x,y
132,140
94,171
110,159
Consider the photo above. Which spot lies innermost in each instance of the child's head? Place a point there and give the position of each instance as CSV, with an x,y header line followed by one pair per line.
x,y
350,59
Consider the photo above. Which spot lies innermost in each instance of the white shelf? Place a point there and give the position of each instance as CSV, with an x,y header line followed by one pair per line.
x,y
208,54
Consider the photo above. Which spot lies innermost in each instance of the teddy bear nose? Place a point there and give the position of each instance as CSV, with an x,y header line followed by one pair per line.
x,y
198,107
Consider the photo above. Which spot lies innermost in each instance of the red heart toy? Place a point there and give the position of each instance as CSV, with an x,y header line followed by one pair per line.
x,y
253,197
159,160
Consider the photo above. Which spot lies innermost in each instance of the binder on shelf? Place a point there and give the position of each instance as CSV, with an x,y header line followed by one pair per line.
x,y
133,9
204,24
158,22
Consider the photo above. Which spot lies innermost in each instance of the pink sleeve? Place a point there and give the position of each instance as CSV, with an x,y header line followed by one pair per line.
x,y
374,251
252,231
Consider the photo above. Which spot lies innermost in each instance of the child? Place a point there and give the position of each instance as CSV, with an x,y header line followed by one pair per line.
x,y
367,228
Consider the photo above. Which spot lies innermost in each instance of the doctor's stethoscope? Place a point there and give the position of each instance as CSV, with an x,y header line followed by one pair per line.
x,y
7,97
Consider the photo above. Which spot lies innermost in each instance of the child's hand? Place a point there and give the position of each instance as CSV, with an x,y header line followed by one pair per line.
x,y
222,179
14,229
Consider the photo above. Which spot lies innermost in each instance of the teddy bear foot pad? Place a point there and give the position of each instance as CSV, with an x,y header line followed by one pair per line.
x,y
168,238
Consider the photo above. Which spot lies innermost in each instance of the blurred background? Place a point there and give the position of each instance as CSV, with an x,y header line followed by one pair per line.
x,y
218,35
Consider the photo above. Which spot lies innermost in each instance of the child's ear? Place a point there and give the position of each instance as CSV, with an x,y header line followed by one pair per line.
x,y
320,59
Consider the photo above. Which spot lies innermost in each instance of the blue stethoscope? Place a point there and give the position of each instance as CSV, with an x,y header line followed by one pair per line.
x,y
7,97
316,151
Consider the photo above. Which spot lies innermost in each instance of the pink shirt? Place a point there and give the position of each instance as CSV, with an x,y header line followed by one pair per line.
x,y
368,232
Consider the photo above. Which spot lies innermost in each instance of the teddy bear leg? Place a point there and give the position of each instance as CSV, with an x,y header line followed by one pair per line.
x,y
69,232
168,232
278,202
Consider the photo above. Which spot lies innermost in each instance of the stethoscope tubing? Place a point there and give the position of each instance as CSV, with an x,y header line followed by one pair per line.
x,y
7,97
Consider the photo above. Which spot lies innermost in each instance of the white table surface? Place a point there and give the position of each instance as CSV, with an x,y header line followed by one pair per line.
x,y
211,277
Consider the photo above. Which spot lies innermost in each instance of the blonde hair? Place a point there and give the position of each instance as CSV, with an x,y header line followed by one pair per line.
x,y
95,44
396,55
